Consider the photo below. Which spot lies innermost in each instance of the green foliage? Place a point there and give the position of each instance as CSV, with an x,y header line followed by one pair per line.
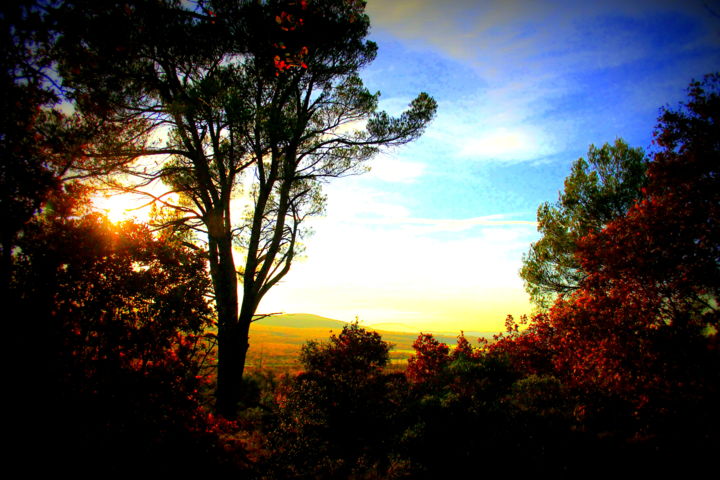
x,y
598,190
542,395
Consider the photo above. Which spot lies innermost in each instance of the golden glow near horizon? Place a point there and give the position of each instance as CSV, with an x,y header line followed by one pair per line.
x,y
397,272
370,258
483,310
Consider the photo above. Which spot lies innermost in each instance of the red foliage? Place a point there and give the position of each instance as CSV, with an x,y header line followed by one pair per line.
x,y
644,323
431,356
299,27
290,50
666,252
530,350
463,349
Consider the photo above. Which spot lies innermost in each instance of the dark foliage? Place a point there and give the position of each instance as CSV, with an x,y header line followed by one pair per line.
x,y
115,317
339,418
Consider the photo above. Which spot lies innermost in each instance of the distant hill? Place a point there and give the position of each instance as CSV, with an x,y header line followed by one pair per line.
x,y
301,320
275,341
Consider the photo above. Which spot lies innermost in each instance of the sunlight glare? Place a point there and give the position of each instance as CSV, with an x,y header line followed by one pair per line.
x,y
121,207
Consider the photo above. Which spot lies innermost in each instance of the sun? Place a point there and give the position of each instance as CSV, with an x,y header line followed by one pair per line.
x,y
122,206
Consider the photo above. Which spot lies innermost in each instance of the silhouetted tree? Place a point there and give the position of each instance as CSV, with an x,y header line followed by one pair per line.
x,y
262,100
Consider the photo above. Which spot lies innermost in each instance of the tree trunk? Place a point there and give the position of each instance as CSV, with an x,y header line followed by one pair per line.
x,y
233,345
230,360
230,363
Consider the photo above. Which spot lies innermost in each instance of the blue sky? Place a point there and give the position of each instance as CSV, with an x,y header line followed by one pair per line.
x,y
432,238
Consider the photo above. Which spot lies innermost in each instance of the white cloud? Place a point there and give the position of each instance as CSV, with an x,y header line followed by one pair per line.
x,y
501,122
518,144
349,199
389,169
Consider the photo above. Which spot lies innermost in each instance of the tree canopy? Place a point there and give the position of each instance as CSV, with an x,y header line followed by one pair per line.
x,y
354,352
342,389
598,190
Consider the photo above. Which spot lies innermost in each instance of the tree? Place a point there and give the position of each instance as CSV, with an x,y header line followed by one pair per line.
x,y
637,341
668,245
257,95
431,357
663,258
597,191
356,352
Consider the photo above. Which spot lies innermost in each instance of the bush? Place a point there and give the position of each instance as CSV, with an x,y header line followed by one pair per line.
x,y
340,417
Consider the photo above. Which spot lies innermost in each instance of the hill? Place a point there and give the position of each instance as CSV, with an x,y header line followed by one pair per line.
x,y
300,320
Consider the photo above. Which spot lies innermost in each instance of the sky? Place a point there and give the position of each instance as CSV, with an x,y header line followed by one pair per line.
x,y
432,238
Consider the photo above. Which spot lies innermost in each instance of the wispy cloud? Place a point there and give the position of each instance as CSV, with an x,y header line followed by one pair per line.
x,y
389,169
507,144
436,225
532,61
519,35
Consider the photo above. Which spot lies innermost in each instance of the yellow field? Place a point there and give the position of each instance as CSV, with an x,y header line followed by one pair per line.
x,y
275,342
